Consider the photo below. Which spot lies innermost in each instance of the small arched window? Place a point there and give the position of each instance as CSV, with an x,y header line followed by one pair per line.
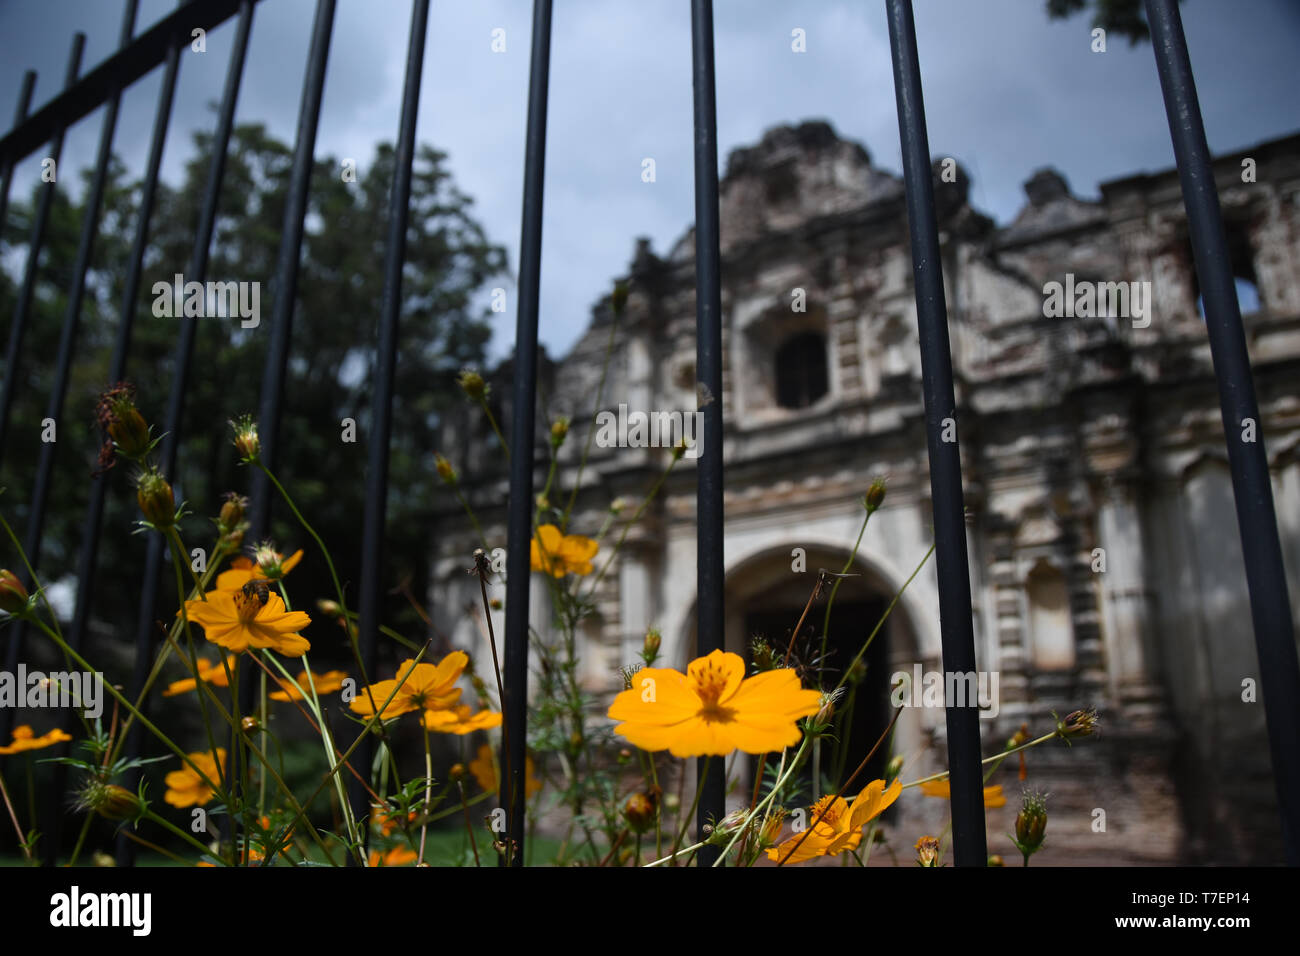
x,y
801,371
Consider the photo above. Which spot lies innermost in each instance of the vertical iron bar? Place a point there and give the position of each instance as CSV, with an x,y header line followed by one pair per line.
x,y
145,618
63,366
7,169
19,329
372,541
956,625
286,269
708,362
1270,605
523,440
286,294
144,638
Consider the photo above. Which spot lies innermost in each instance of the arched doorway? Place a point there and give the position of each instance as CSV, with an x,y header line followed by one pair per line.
x,y
765,598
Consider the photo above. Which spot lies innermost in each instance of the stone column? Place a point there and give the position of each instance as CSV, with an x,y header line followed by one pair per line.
x,y
1127,598
1013,680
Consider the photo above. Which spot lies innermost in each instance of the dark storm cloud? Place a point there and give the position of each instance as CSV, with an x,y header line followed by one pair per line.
x,y
1007,91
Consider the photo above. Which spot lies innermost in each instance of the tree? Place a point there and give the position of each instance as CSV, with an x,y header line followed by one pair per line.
x,y
1126,18
340,288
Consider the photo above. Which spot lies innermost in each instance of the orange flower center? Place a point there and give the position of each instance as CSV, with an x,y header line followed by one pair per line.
x,y
832,807
248,601
710,682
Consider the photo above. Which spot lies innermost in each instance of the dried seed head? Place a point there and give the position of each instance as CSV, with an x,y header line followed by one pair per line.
x,y
1079,723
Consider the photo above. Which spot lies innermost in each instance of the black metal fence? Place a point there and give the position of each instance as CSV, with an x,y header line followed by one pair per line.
x,y
162,44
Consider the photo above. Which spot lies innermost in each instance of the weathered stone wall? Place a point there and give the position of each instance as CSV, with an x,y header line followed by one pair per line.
x,y
1082,435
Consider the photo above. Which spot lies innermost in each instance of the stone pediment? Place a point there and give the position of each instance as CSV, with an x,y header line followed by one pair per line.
x,y
1051,209
795,175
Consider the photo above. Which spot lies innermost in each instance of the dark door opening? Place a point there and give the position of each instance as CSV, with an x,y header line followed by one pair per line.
x,y
863,712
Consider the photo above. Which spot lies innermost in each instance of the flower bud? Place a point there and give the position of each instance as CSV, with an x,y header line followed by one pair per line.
x,y
771,829
875,495
13,596
761,653
109,801
471,382
329,608
445,471
617,505
640,812
996,860
893,768
1031,824
496,604
232,512
250,724
650,649
720,834
457,772
129,431
559,431
156,501
103,859
269,561
618,300
247,442
827,712
927,852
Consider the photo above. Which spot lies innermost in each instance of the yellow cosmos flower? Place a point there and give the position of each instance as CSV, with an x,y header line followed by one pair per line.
x,y
397,856
209,673
713,708
840,826
942,788
185,788
239,620
325,683
427,687
26,739
460,721
485,773
559,554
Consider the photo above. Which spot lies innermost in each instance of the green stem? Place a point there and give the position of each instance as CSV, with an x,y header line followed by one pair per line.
x,y
690,814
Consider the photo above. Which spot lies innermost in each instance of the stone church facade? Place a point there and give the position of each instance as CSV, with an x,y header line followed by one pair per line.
x,y
1105,560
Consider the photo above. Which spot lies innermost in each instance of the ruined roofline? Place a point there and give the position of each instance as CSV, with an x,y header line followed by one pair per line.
x,y
1280,147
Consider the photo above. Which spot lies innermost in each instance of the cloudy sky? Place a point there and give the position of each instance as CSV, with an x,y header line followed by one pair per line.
x,y
1007,92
